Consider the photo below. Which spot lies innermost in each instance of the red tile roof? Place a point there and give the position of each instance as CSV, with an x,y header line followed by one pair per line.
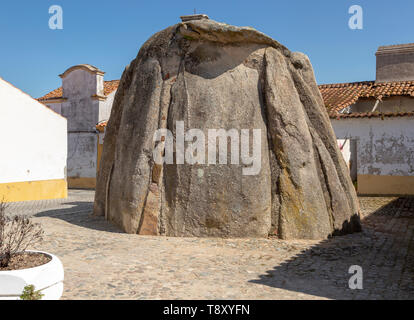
x,y
100,126
381,115
55,94
109,87
342,95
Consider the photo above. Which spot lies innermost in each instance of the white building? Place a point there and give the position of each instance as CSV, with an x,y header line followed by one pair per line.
x,y
33,148
84,99
384,152
375,122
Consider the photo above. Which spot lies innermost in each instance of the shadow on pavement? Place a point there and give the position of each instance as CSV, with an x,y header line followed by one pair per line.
x,y
384,250
80,214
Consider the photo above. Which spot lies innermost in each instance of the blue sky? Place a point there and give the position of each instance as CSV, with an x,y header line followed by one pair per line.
x,y
108,34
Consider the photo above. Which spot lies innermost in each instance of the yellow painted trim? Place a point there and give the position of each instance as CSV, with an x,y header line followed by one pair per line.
x,y
385,185
100,128
98,97
81,183
99,154
53,100
33,190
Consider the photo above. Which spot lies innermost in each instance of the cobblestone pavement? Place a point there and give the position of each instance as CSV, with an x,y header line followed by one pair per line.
x,y
103,263
78,201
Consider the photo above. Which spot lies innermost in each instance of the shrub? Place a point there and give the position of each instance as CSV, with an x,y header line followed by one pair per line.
x,y
16,234
29,293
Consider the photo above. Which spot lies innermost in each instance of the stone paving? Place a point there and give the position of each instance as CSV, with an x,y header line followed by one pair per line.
x,y
103,263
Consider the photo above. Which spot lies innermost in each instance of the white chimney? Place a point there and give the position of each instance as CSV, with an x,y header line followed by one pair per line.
x,y
395,63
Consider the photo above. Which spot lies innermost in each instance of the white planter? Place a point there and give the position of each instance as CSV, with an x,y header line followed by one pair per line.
x,y
47,278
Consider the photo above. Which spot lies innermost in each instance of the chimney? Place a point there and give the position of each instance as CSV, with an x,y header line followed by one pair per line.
x,y
194,17
395,63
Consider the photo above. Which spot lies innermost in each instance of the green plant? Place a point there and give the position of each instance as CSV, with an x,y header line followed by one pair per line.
x,y
29,293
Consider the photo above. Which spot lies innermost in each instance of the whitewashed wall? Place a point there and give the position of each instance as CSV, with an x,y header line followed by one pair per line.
x,y
384,147
33,138
81,83
82,112
57,107
82,154
391,104
105,107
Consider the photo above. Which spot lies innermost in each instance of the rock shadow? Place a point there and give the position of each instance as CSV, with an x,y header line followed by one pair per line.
x,y
80,214
383,250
